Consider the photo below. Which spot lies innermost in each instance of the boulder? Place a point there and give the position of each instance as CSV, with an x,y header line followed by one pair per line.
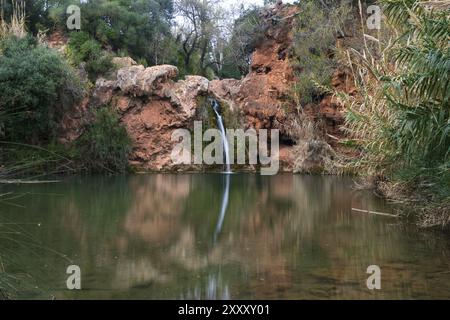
x,y
127,78
141,81
184,93
123,62
313,156
103,91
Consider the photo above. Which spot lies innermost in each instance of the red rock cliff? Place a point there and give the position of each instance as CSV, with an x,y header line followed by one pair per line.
x,y
152,104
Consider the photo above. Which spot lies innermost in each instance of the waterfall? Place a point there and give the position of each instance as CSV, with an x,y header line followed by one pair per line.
x,y
226,147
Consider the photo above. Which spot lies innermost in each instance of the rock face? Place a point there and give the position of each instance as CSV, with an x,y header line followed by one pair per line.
x,y
152,104
262,96
139,81
263,92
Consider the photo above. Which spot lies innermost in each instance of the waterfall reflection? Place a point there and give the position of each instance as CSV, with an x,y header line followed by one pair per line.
x,y
223,207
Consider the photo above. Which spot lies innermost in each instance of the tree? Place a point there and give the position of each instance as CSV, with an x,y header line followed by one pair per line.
x,y
199,31
140,28
247,31
82,48
314,44
36,86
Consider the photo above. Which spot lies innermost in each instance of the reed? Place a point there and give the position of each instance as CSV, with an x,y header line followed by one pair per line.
x,y
16,25
400,118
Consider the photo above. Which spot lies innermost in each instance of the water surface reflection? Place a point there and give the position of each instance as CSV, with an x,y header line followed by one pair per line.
x,y
215,236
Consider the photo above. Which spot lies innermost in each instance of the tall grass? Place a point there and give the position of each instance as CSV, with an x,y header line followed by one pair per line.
x,y
17,244
19,158
401,117
16,25
31,162
14,236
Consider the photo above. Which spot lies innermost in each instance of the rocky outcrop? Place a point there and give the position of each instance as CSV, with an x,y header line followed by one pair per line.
x,y
263,93
262,97
152,103
151,106
139,81
122,62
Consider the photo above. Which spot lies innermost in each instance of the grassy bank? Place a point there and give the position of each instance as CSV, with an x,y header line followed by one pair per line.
x,y
400,118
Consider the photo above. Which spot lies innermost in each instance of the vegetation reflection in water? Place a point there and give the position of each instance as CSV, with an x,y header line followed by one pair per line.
x,y
217,237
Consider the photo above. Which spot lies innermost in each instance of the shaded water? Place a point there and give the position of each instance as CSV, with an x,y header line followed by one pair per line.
x,y
189,236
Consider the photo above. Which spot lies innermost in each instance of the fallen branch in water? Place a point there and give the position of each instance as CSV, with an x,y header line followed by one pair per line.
x,y
18,181
333,137
375,212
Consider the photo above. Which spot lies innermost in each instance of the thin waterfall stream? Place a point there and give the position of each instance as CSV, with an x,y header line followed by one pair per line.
x,y
226,147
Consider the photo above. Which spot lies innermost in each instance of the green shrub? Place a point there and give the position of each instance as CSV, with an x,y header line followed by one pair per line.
x,y
105,145
82,48
314,44
248,33
401,117
36,87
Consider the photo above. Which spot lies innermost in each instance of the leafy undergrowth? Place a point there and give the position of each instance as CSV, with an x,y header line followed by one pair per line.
x,y
400,118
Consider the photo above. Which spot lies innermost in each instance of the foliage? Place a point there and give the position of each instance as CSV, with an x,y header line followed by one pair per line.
x,y
314,43
36,86
105,145
202,40
30,161
402,117
82,48
139,27
247,33
15,26
199,36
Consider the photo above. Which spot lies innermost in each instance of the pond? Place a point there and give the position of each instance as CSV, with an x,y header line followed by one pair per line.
x,y
214,236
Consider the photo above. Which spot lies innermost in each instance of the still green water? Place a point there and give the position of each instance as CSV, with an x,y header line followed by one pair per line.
x,y
201,236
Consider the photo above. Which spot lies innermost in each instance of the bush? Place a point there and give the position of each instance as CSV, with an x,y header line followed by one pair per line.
x,y
82,48
401,118
248,32
105,145
313,48
36,87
